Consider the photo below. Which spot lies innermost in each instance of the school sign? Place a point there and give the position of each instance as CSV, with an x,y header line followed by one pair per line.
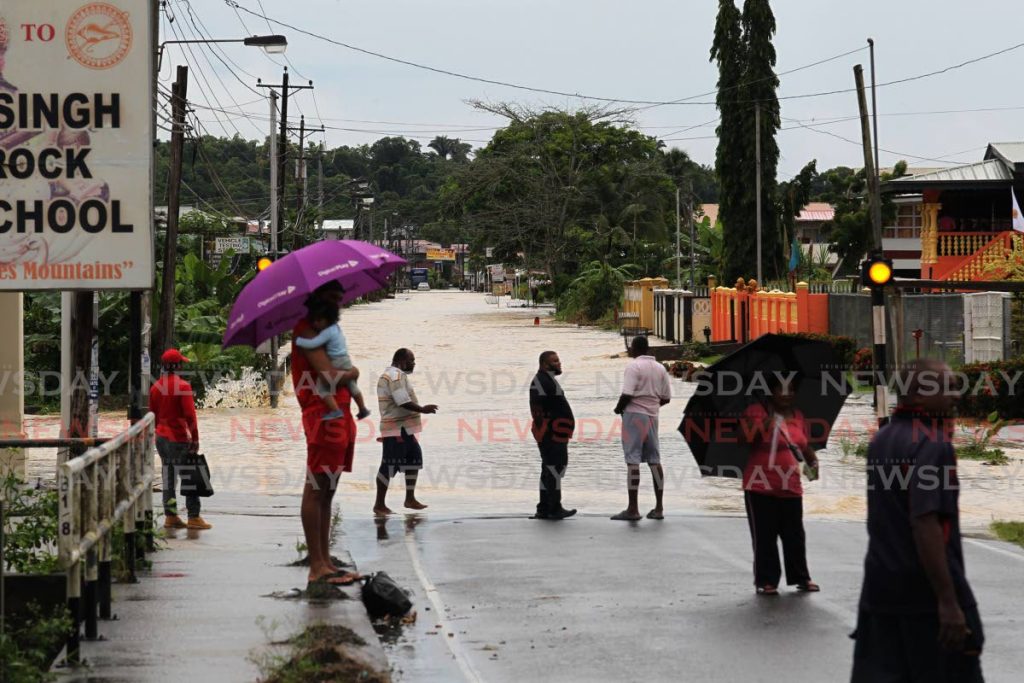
x,y
75,145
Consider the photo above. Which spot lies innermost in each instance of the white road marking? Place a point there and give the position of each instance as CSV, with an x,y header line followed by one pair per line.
x,y
454,646
995,548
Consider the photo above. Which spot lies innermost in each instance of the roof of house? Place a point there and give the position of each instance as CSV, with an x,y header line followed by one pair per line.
x,y
1002,160
990,170
711,211
339,224
814,211
1010,153
817,211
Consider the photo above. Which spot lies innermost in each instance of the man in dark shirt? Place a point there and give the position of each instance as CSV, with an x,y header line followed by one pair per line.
x,y
553,426
918,620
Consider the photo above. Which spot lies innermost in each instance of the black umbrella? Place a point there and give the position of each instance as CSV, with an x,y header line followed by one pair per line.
x,y
711,422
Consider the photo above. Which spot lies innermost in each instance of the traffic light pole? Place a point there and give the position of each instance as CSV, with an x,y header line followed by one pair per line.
x,y
878,325
274,217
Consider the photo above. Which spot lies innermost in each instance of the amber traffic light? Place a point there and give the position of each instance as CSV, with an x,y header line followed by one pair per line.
x,y
876,271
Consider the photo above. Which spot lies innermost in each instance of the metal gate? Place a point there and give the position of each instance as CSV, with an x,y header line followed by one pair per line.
x,y
985,333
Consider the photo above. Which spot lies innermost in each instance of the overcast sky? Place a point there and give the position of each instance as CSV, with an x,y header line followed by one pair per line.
x,y
643,50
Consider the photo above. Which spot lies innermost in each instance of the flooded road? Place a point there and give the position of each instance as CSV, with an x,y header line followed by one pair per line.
x,y
475,361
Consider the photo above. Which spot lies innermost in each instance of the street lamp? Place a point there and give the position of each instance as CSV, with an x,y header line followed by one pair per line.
x,y
272,44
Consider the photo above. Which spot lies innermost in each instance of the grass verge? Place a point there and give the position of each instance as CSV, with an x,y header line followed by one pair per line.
x,y
1011,532
319,655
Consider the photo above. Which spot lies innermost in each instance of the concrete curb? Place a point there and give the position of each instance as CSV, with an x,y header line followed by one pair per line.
x,y
352,614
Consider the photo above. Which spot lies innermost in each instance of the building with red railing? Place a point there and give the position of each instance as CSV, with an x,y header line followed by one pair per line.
x,y
956,223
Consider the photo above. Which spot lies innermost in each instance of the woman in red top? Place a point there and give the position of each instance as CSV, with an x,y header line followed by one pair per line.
x,y
772,490
330,445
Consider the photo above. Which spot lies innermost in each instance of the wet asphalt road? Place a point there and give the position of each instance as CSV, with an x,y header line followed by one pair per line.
x,y
505,598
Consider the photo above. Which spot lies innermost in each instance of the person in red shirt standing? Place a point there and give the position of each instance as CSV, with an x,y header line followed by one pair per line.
x,y
177,436
772,490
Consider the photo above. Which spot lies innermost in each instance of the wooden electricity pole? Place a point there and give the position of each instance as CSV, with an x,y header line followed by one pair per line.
x,y
869,162
81,360
165,334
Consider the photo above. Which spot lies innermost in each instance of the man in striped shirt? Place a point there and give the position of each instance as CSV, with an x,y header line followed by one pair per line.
x,y
399,424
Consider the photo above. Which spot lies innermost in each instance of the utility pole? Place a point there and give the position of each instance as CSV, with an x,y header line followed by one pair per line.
x,y
300,163
869,164
279,155
274,227
874,116
165,336
320,189
878,312
689,219
282,152
300,167
757,184
895,296
678,252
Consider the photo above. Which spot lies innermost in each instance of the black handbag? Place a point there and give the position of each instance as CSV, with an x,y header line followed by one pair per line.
x,y
383,597
195,476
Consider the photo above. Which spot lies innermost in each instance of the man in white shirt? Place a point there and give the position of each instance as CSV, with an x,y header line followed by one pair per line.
x,y
399,424
645,388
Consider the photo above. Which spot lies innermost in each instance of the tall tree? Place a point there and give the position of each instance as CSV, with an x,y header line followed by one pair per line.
x,y
747,82
733,160
759,90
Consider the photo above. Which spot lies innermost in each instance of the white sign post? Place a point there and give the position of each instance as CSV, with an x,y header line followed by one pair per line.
x,y
76,145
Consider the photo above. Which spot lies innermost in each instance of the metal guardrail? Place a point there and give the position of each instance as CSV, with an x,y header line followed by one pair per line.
x,y
107,484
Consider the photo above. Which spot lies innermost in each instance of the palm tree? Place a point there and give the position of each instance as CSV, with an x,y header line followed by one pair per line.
x,y
450,148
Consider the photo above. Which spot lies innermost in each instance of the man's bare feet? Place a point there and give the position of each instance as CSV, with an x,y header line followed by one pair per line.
x,y
383,511
415,505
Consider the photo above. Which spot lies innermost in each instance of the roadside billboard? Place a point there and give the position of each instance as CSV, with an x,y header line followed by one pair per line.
x,y
440,254
75,145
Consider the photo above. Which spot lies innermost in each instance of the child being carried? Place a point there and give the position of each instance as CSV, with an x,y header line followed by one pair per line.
x,y
324,319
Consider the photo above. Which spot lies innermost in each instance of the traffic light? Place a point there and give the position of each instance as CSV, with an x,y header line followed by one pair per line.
x,y
268,259
876,271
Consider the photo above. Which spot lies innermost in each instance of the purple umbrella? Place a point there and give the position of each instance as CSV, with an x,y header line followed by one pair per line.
x,y
274,301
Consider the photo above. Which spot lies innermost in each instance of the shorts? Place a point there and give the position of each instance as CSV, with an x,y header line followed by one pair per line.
x,y
640,439
402,452
330,446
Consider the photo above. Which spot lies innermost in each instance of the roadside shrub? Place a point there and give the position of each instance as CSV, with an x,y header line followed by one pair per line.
x,y
693,350
843,346
994,387
863,360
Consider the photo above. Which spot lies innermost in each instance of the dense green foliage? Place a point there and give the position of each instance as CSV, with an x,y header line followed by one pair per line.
x,y
27,646
552,191
30,527
745,56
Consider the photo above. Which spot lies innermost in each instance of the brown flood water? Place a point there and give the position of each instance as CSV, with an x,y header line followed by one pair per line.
x,y
475,360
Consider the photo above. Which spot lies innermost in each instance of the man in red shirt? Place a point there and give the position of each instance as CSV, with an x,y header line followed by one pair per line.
x,y
177,436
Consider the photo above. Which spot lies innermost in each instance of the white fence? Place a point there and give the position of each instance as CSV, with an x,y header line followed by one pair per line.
x,y
106,485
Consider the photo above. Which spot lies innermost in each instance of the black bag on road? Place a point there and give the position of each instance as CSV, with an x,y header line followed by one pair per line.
x,y
195,476
383,597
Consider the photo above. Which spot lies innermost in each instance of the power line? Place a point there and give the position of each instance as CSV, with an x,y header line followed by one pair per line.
x,y
491,81
683,101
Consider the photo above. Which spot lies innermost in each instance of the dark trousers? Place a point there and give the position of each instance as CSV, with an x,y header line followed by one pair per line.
x,y
172,457
772,518
554,459
904,648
